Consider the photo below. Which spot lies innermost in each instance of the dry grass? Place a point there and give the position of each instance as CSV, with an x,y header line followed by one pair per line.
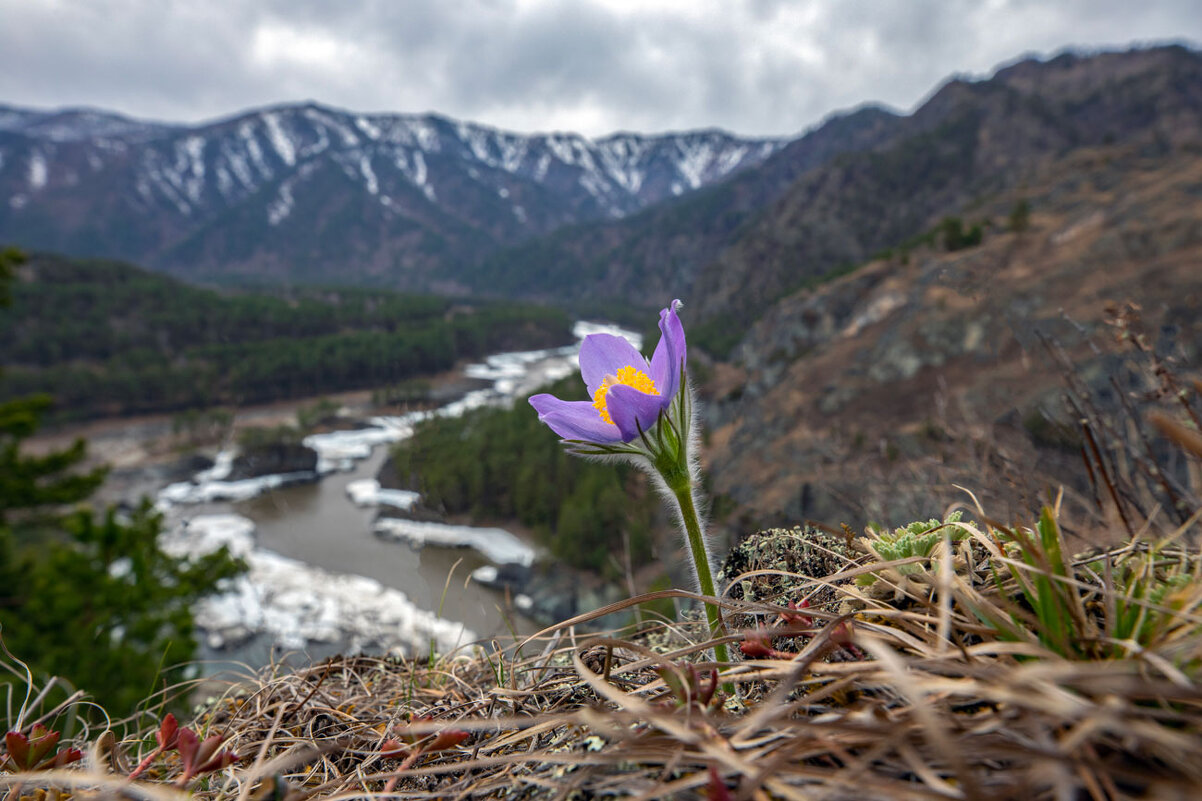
x,y
900,693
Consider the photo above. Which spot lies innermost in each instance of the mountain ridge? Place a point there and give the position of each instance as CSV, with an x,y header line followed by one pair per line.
x,y
85,181
424,202
970,139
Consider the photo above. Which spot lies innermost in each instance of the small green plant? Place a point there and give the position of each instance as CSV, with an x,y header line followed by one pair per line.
x,y
918,539
1139,599
1057,606
1157,601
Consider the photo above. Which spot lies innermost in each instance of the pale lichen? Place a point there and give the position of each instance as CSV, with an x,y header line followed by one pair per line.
x,y
799,560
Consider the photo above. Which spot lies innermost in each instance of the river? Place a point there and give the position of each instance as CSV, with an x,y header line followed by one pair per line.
x,y
328,575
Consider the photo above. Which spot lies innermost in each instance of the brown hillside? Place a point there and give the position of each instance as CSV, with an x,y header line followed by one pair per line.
x,y
872,396
970,141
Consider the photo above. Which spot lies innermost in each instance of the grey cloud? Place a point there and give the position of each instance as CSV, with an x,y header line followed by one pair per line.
x,y
756,67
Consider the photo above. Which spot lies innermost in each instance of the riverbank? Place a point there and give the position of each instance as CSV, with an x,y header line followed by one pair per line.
x,y
330,565
864,694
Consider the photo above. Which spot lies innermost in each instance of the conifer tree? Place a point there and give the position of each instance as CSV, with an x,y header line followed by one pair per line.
x,y
91,600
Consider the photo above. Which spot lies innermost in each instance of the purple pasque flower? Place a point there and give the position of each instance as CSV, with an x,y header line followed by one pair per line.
x,y
628,393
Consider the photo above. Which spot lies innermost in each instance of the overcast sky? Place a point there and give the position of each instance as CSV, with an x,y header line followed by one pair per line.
x,y
593,66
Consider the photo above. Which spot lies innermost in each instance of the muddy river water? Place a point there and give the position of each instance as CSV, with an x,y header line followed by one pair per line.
x,y
327,573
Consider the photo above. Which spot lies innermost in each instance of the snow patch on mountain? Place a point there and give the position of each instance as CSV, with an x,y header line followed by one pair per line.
x,y
251,137
279,140
324,120
281,207
596,187
369,128
476,140
320,146
422,132
694,159
513,152
420,174
731,159
237,164
561,147
225,184
622,158
203,172
38,171
369,176
194,147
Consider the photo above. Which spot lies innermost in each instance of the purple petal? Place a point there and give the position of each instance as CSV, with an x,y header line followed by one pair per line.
x,y
631,409
574,419
605,354
671,352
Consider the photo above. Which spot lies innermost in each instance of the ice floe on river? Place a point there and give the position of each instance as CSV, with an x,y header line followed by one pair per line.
x,y
294,604
511,374
495,544
191,492
367,492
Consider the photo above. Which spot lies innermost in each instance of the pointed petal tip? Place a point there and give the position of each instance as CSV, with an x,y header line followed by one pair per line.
x,y
671,354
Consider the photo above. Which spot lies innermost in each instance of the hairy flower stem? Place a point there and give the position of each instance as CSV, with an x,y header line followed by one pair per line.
x,y
682,488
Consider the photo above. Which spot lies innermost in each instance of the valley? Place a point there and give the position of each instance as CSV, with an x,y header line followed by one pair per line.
x,y
883,312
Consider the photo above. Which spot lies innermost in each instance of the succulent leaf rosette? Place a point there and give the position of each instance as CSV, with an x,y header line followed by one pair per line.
x,y
642,412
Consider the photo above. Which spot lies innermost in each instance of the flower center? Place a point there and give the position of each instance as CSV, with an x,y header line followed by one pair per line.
x,y
628,376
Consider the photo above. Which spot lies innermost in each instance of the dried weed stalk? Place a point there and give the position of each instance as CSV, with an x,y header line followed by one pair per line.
x,y
917,696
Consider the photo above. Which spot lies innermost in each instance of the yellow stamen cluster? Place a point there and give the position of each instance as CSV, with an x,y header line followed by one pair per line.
x,y
629,376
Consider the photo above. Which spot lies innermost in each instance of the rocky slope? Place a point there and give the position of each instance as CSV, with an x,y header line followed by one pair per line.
x,y
969,143
871,397
863,182
312,193
656,254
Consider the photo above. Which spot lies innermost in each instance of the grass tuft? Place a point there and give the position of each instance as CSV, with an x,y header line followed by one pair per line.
x,y
1001,667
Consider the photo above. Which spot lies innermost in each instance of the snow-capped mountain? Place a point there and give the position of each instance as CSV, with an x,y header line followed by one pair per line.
x,y
306,191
